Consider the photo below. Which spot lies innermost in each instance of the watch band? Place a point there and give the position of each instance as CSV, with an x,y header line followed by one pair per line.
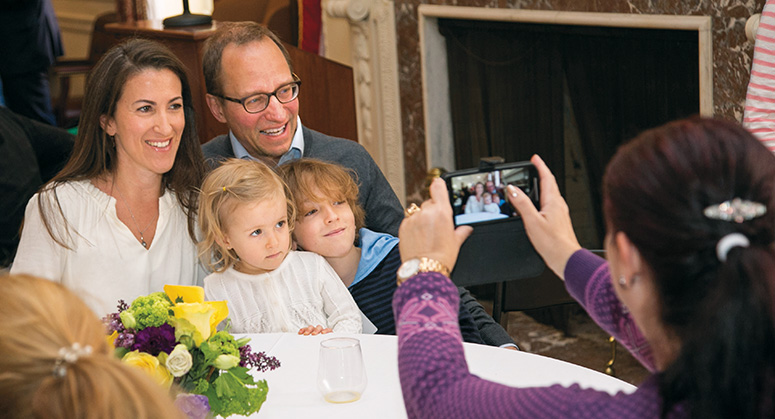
x,y
425,265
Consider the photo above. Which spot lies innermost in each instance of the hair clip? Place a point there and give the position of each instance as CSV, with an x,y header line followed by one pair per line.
x,y
737,210
69,355
224,189
728,242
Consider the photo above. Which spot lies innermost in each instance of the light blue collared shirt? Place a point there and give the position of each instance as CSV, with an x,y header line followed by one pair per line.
x,y
293,153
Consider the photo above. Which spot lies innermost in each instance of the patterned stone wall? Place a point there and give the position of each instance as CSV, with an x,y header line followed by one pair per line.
x,y
732,55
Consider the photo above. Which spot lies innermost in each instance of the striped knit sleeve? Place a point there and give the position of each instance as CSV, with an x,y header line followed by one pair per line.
x,y
759,116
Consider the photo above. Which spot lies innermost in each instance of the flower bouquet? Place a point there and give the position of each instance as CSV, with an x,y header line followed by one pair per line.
x,y
172,335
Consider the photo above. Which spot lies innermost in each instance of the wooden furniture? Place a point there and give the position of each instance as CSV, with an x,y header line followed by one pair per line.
x,y
327,93
66,108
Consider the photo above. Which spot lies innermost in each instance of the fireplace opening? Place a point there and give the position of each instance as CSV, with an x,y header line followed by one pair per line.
x,y
571,94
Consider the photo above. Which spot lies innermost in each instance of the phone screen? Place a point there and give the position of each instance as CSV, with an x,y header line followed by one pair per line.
x,y
480,196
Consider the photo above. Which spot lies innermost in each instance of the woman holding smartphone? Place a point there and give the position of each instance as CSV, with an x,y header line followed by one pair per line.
x,y
689,288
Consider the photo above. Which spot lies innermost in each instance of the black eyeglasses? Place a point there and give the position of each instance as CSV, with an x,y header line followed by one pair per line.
x,y
259,101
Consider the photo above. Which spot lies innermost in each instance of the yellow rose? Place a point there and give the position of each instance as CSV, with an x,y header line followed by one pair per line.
x,y
150,364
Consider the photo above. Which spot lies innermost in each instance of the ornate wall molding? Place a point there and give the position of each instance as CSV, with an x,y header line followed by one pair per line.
x,y
375,68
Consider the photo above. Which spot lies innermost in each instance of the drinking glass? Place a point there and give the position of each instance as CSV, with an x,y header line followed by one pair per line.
x,y
341,374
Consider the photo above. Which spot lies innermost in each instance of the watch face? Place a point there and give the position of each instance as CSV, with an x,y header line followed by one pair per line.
x,y
409,268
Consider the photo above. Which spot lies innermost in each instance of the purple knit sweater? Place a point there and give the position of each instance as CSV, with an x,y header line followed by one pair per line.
x,y
434,375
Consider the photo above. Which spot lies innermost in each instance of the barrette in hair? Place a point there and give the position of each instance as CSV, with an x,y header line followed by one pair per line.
x,y
224,189
737,210
69,355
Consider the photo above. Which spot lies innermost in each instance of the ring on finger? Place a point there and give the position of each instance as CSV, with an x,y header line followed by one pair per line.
x,y
412,210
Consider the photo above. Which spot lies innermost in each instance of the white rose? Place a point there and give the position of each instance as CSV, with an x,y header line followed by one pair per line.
x,y
179,361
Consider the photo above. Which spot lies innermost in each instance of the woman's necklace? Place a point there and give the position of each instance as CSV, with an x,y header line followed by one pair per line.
x,y
142,239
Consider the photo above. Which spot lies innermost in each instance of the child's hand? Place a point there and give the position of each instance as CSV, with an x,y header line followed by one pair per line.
x,y
314,330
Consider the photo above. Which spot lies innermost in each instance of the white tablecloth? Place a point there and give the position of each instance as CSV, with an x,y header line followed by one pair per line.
x,y
293,389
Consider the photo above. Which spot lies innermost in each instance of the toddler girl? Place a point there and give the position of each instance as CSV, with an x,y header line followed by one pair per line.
x,y
246,220
490,206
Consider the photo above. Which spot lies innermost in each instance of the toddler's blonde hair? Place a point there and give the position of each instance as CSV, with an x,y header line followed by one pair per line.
x,y
235,182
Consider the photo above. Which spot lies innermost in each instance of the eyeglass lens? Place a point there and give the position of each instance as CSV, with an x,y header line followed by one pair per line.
x,y
284,94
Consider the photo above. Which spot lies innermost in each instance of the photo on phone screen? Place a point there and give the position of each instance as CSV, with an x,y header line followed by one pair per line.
x,y
479,196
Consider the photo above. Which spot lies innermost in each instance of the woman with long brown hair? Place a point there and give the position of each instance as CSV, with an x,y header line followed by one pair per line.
x,y
118,221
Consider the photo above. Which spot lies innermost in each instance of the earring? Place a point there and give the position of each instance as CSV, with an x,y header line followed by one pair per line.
x,y
623,281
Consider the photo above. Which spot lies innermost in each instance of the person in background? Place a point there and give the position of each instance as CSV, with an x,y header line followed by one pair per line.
x,y
31,43
489,186
119,220
56,363
246,215
475,202
329,222
758,115
31,153
689,288
253,90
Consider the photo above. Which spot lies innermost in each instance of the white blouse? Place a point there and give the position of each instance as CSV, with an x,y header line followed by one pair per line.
x,y
303,291
106,262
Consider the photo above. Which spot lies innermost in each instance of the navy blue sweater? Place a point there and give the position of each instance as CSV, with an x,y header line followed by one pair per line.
x,y
374,296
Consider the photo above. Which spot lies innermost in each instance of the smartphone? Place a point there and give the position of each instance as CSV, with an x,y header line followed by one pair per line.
x,y
478,196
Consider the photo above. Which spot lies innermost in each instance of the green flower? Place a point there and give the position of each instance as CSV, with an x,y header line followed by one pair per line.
x,y
148,310
128,319
226,362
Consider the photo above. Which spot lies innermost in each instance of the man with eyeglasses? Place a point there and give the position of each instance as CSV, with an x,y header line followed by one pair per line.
x,y
253,90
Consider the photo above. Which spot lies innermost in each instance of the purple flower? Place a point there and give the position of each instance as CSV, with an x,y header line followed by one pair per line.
x,y
126,337
194,406
154,340
260,361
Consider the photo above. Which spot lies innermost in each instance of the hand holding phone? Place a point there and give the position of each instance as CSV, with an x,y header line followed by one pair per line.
x,y
498,249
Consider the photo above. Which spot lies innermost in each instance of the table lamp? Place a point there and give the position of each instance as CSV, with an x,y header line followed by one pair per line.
x,y
187,18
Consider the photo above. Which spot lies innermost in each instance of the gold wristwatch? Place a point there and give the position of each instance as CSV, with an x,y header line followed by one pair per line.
x,y
415,266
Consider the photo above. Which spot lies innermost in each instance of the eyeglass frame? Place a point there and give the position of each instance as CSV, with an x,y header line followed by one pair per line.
x,y
296,81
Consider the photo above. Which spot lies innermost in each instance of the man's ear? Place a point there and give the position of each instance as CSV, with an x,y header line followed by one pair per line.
x,y
216,108
108,125
630,263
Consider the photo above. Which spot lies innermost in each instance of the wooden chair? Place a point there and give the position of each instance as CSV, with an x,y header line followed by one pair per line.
x,y
67,109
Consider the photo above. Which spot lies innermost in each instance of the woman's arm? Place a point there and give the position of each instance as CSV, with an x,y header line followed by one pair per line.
x,y
588,281
436,383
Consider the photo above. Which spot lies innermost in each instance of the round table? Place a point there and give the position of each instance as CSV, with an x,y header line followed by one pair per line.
x,y
293,389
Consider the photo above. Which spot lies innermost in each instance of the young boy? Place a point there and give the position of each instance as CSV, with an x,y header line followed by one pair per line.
x,y
330,223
